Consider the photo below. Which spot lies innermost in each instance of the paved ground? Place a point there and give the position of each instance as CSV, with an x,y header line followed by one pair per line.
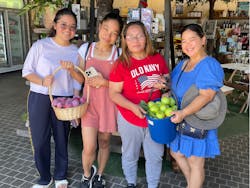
x,y
230,170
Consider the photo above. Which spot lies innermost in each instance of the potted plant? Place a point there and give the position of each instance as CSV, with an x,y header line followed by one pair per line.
x,y
42,10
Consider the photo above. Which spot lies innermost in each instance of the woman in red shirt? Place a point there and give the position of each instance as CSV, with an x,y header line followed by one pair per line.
x,y
136,77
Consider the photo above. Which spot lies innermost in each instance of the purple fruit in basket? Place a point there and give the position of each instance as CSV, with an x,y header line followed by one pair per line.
x,y
75,102
76,97
61,99
59,105
68,100
82,100
54,102
67,105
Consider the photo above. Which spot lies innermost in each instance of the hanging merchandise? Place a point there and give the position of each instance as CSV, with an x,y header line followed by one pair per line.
x,y
155,26
83,19
161,22
145,15
76,9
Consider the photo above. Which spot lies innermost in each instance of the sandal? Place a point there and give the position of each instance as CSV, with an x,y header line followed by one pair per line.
x,y
61,183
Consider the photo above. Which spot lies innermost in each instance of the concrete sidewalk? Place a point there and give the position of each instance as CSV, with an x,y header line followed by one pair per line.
x,y
230,170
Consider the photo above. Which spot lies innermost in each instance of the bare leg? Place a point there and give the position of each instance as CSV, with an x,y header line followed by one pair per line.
x,y
103,153
197,171
183,164
175,166
89,138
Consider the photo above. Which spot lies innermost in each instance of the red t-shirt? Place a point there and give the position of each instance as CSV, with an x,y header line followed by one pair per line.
x,y
137,83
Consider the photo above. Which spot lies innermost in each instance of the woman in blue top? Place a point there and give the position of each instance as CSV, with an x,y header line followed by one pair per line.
x,y
206,73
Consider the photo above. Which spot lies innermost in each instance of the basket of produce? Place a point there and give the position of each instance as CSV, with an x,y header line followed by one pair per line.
x,y
161,129
68,108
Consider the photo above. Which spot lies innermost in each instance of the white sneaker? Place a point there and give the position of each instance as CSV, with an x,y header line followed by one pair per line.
x,y
61,183
43,186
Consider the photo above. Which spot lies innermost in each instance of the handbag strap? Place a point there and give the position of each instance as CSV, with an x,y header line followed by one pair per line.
x,y
182,72
85,55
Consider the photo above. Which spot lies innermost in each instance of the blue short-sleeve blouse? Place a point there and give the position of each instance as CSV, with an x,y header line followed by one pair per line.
x,y
207,74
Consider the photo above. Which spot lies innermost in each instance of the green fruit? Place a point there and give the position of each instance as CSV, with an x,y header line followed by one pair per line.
x,y
160,115
158,103
150,103
165,100
168,112
171,101
155,108
163,107
174,107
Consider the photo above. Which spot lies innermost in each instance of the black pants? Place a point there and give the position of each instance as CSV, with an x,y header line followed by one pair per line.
x,y
43,123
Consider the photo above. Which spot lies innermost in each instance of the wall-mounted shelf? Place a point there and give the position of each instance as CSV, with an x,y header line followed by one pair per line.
x,y
231,18
185,17
40,30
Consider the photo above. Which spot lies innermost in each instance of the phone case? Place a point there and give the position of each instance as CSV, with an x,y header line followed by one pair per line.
x,y
91,72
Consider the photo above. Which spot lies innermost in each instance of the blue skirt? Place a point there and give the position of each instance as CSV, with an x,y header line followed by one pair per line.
x,y
188,146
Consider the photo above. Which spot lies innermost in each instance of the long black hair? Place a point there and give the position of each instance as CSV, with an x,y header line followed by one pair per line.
x,y
59,14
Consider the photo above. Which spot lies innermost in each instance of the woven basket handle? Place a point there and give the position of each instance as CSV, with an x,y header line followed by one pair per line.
x,y
59,68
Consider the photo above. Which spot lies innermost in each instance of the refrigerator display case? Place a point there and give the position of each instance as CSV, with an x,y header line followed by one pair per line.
x,y
3,54
16,46
13,40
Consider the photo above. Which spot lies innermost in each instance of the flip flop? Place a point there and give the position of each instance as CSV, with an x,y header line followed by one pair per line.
x,y
61,183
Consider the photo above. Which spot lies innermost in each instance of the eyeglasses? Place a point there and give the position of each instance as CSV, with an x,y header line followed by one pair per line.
x,y
133,38
64,26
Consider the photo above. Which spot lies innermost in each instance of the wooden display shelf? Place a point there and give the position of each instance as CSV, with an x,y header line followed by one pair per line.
x,y
41,30
231,18
45,30
185,17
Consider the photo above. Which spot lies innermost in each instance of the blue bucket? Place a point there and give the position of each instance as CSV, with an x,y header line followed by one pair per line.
x,y
162,131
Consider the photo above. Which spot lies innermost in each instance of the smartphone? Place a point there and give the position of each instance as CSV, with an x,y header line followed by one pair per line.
x,y
91,72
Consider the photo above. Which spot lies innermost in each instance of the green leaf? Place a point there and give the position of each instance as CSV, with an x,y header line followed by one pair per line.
x,y
144,105
40,5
